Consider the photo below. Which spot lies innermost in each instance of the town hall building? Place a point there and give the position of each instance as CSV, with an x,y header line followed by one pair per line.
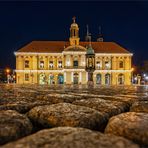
x,y
73,61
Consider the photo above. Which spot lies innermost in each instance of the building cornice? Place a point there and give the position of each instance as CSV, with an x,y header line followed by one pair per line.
x,y
110,71
113,54
35,53
73,53
73,70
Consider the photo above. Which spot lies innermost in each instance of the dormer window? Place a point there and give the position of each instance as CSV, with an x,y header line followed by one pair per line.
x,y
41,64
26,63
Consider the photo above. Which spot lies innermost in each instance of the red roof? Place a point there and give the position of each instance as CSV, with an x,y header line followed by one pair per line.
x,y
58,47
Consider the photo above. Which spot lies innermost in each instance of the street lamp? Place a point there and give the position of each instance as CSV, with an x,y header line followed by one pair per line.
x,y
8,75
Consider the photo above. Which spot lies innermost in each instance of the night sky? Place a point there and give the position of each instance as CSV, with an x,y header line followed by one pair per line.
x,y
125,23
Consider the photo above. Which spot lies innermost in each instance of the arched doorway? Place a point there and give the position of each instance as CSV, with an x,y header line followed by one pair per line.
x,y
107,79
60,79
75,78
42,78
98,79
51,79
120,79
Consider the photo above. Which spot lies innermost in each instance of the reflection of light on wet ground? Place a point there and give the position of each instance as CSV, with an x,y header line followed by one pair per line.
x,y
96,90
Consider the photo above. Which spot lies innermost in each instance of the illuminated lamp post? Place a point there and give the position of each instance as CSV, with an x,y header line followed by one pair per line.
x,y
14,78
8,75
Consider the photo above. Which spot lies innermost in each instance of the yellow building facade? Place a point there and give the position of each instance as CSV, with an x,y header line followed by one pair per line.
x,y
60,62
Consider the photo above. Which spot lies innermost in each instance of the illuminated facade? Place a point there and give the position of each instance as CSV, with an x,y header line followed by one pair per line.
x,y
73,62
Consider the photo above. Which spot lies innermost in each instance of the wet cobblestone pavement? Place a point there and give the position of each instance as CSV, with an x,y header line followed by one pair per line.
x,y
66,116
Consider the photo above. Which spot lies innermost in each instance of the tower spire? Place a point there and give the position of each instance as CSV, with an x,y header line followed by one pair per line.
x,y
74,19
88,35
100,38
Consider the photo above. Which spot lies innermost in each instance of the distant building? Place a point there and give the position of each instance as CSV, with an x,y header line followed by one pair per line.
x,y
73,62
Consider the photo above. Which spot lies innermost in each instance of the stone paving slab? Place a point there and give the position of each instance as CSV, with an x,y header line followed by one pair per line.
x,y
68,137
66,114
13,126
131,125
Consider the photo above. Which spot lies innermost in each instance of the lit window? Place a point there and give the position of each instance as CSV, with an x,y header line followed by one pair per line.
x,y
41,64
107,65
121,64
51,64
68,63
26,77
60,64
98,64
26,64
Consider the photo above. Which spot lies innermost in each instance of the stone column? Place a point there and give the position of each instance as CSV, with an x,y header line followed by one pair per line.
x,y
103,78
86,77
80,77
65,77
63,61
46,62
71,60
71,77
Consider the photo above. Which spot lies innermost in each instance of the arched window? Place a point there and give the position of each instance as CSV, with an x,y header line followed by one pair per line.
x,y
107,79
60,79
98,79
42,78
51,79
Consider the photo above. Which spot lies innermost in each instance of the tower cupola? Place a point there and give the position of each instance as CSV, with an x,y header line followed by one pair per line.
x,y
74,33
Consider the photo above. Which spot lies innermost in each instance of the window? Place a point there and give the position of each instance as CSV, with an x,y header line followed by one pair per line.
x,y
60,64
26,63
75,63
98,64
51,64
107,65
41,64
121,64
26,77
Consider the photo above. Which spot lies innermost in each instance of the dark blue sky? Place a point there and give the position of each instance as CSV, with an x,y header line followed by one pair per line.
x,y
125,23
